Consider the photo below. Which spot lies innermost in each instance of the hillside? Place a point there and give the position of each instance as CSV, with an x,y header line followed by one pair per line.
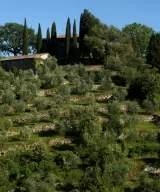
x,y
77,128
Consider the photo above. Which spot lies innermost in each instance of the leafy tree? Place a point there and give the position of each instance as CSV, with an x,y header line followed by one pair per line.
x,y
68,37
153,52
140,36
96,40
53,39
87,20
12,38
25,39
39,39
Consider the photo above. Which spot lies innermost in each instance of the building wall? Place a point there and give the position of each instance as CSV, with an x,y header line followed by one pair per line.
x,y
22,64
60,46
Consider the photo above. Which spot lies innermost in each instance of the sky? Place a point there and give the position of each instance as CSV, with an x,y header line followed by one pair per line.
x,y
116,12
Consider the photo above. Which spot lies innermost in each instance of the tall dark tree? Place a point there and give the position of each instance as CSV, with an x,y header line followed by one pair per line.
x,y
153,52
48,35
39,39
25,39
48,40
74,41
53,39
68,37
80,35
87,20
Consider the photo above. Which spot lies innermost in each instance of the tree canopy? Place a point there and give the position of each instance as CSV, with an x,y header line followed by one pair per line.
x,y
140,35
11,41
153,51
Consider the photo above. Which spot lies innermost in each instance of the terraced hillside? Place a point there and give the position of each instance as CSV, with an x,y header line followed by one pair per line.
x,y
76,128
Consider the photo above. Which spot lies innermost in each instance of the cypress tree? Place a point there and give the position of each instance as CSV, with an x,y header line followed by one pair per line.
x,y
39,39
48,41
53,39
25,39
87,20
48,35
68,37
80,35
74,41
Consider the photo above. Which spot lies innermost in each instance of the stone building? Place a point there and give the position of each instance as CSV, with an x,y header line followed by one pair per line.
x,y
60,45
23,62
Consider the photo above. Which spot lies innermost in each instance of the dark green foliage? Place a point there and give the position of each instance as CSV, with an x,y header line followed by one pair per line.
x,y
4,109
8,97
48,40
119,94
68,38
74,47
53,39
147,184
39,39
87,20
74,128
146,85
150,106
132,107
18,106
40,103
25,39
153,52
7,124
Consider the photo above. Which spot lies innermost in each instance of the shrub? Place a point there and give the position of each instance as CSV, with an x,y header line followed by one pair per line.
x,y
51,62
150,106
7,124
8,97
54,113
67,160
40,103
64,91
80,87
26,93
4,109
90,99
132,107
19,106
119,94
113,108
25,134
